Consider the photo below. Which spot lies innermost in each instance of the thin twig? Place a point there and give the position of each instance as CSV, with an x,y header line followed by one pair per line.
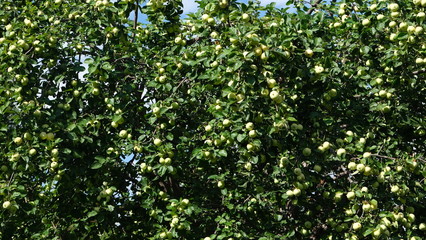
x,y
313,6
381,156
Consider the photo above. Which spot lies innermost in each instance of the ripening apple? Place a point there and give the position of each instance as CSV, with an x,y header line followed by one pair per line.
x,y
220,184
245,17
394,189
366,155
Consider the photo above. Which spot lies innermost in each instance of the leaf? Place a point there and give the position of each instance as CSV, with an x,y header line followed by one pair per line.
x,y
241,137
96,165
223,153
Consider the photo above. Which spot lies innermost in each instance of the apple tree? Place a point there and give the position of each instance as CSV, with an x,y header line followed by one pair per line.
x,y
239,121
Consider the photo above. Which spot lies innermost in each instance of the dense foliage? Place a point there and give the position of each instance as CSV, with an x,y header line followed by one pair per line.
x,y
241,121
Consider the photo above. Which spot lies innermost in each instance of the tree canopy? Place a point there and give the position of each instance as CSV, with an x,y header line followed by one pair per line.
x,y
238,122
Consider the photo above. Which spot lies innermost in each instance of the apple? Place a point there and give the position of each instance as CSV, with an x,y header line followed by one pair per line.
x,y
32,152
157,142
55,152
163,235
366,155
274,95
394,189
297,192
366,207
410,29
248,166
366,22
258,51
245,17
50,136
309,52
349,133
380,16
123,134
341,151
54,165
350,195
252,133
208,128
422,226
306,151
249,126
421,15
317,168
356,226
96,91
250,147
418,30
7,204
220,184
393,7
318,69
18,140
326,145
360,167
226,122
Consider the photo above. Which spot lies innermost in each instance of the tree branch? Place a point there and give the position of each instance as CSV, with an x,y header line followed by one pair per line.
x,y
313,6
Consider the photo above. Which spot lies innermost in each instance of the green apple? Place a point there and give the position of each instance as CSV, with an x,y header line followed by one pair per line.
x,y
317,168
157,142
7,204
393,7
394,189
32,152
341,151
96,91
422,226
249,126
274,95
356,226
220,184
18,140
27,136
350,195
226,122
306,151
50,136
123,134
248,166
54,165
297,192
250,147
245,17
309,52
55,152
252,133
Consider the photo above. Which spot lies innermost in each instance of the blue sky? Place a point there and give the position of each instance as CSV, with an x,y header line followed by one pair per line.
x,y
191,6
